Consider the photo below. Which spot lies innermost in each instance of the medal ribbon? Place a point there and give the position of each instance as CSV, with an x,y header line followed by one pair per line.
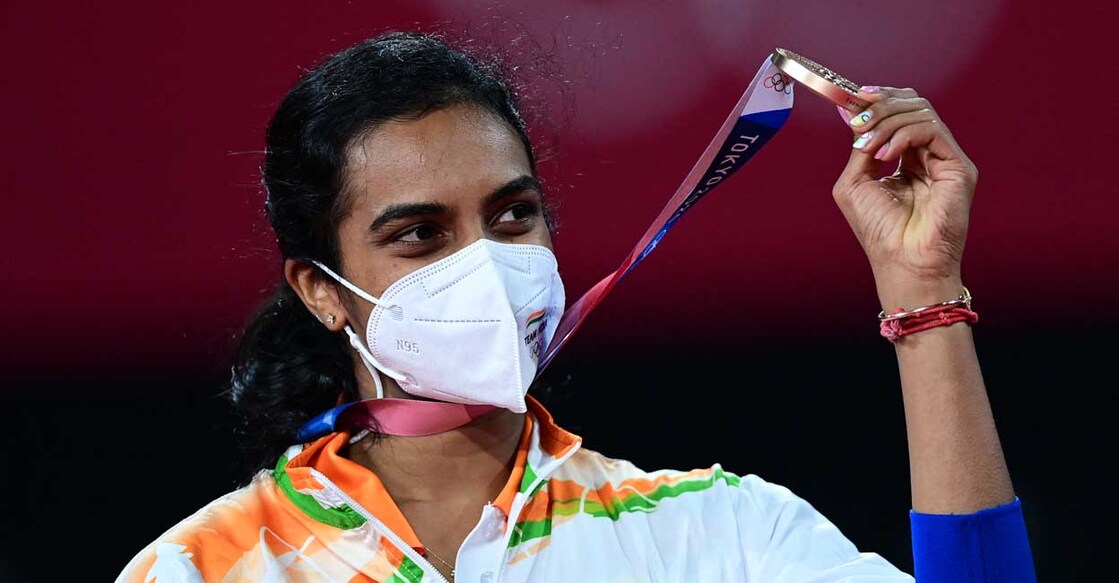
x,y
760,112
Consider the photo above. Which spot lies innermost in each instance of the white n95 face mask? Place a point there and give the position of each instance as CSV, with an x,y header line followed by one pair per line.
x,y
469,328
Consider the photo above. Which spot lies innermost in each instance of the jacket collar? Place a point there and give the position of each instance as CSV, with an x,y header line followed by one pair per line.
x,y
542,448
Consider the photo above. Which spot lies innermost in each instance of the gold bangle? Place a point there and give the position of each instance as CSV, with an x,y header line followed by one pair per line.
x,y
964,298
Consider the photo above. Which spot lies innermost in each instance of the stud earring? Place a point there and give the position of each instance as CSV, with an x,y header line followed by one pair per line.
x,y
330,319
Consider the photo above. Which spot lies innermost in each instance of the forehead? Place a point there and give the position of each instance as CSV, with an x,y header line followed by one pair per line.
x,y
448,154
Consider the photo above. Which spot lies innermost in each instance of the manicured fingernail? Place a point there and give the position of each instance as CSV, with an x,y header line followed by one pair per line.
x,y
860,119
863,140
846,115
881,153
869,88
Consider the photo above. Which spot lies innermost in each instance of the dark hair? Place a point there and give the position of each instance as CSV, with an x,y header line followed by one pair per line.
x,y
288,366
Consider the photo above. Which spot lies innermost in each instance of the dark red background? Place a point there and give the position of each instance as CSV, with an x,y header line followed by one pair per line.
x,y
134,245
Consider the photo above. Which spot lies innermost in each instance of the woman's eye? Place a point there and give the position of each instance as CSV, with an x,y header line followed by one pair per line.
x,y
418,234
516,213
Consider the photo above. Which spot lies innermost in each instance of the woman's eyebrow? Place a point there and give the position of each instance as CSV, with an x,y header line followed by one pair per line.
x,y
405,210
518,184
401,211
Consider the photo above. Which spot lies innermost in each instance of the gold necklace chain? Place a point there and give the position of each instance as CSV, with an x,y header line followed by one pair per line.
x,y
428,551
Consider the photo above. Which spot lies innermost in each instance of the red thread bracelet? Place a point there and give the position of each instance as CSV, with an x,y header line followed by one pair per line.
x,y
894,329
904,322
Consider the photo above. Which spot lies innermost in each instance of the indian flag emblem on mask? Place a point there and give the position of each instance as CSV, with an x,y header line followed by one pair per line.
x,y
535,334
535,317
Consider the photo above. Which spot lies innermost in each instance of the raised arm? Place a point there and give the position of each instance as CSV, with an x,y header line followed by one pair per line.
x,y
912,225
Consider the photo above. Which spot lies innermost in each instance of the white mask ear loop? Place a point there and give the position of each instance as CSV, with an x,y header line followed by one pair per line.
x,y
367,358
357,290
371,363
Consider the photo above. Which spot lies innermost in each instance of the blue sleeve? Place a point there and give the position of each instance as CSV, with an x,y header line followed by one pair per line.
x,y
989,546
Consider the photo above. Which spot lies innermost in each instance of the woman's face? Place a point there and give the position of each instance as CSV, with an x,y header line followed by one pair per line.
x,y
418,190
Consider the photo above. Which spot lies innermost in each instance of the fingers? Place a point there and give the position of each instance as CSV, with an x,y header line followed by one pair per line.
x,y
882,137
874,93
867,119
884,101
861,167
930,148
890,111
901,125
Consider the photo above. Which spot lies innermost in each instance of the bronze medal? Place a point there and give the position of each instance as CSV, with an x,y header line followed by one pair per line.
x,y
821,80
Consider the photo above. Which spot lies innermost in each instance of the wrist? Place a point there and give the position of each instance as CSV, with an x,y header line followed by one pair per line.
x,y
896,293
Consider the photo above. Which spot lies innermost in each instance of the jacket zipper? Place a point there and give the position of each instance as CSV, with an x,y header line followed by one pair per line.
x,y
521,499
409,551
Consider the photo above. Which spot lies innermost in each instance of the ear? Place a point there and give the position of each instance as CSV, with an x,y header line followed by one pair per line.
x,y
318,294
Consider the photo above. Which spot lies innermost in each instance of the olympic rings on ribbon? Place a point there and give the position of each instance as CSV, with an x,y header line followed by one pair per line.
x,y
779,83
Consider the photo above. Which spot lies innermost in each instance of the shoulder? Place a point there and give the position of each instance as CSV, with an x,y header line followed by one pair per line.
x,y
778,534
588,464
753,499
709,485
212,539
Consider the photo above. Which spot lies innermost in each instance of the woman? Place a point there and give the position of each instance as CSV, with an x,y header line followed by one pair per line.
x,y
402,192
